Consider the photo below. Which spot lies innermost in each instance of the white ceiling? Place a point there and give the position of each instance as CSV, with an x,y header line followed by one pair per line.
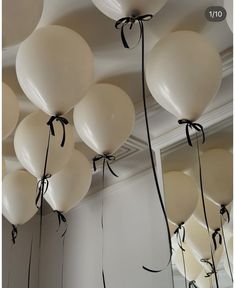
x,y
119,66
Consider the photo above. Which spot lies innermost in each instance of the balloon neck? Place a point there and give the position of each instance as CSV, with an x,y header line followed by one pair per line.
x,y
58,114
134,13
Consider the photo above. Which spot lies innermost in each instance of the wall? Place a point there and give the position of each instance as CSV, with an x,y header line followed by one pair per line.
x,y
134,236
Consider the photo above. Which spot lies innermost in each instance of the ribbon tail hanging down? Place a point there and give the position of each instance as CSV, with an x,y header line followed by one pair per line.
x,y
106,161
63,122
122,24
224,211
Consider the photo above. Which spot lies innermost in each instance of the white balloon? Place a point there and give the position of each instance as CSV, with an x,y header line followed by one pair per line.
x,y
184,73
228,227
55,68
181,196
19,19
30,142
172,228
104,118
212,211
18,197
204,282
68,187
116,9
228,5
10,111
217,172
193,267
197,237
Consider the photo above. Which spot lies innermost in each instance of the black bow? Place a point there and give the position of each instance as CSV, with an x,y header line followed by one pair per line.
x,y
177,233
192,125
41,189
214,235
61,218
106,158
208,274
123,22
224,210
14,233
192,284
63,122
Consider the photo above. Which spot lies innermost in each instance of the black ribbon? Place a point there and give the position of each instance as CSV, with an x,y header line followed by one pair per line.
x,y
63,122
42,186
30,263
14,233
177,233
61,219
192,284
192,125
123,22
224,210
103,278
106,159
218,235
212,267
181,240
204,209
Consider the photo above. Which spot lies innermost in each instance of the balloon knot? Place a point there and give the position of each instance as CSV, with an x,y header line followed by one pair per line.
x,y
63,122
106,160
192,125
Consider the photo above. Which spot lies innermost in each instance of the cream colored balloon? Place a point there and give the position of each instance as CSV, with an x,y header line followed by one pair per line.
x,y
204,282
193,267
30,144
217,172
181,196
10,111
212,211
68,187
104,118
19,19
55,68
172,228
18,197
217,258
116,9
184,73
4,168
228,5
197,237
228,227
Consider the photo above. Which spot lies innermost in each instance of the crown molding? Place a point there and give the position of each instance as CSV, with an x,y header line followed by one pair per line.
x,y
213,117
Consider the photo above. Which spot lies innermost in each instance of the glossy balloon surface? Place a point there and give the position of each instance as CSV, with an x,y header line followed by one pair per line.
x,y
55,68
183,73
30,142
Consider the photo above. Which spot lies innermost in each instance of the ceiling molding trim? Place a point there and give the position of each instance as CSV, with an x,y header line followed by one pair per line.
x,y
208,119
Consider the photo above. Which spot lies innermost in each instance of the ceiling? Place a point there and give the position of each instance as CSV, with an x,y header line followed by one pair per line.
x,y
118,66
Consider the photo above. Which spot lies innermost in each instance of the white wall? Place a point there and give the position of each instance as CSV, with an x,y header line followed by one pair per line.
x,y
15,258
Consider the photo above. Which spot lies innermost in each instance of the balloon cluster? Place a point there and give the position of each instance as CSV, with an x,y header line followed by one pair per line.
x,y
103,116
55,69
189,211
